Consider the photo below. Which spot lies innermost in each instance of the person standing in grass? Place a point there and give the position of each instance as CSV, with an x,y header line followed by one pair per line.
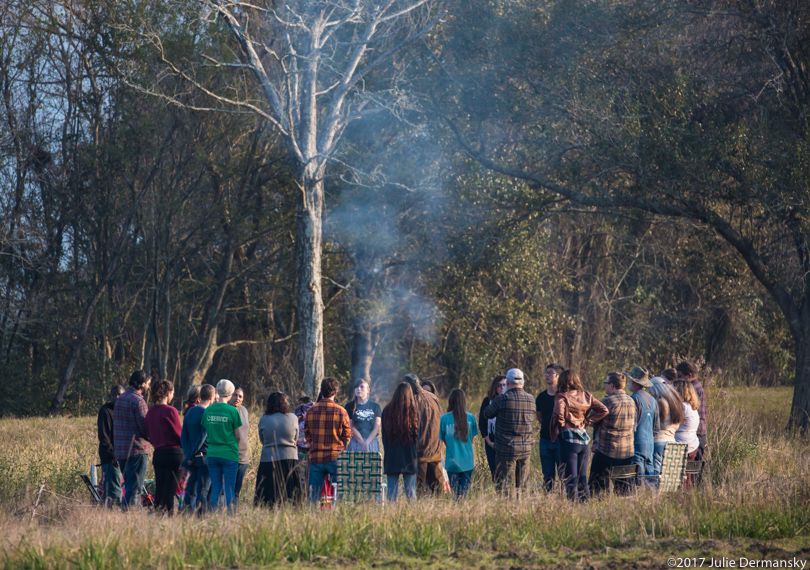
x,y
670,414
613,435
130,441
574,410
400,435
515,412
244,449
110,471
687,431
163,428
364,419
277,481
328,433
458,427
647,421
429,449
486,427
687,370
549,450
195,449
221,422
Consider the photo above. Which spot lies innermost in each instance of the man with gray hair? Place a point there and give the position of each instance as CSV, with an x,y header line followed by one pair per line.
x,y
515,411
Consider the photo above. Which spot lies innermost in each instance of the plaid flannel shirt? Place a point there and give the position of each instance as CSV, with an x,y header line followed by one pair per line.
x,y
515,411
327,430
129,426
702,409
614,435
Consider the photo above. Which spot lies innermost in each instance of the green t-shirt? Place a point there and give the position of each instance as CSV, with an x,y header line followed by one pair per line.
x,y
459,457
219,421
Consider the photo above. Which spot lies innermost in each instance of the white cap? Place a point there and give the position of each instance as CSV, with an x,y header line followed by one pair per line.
x,y
515,376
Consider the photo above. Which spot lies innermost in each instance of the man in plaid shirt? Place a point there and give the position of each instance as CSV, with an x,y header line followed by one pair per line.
x,y
688,371
129,435
515,412
614,435
328,433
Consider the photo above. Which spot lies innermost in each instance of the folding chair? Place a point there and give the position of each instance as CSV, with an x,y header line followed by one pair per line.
x,y
673,469
94,491
623,477
360,477
694,472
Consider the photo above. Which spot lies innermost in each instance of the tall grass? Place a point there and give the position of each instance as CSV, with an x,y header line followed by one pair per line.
x,y
758,489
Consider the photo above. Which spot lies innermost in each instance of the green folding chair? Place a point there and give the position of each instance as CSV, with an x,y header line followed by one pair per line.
x,y
673,469
360,477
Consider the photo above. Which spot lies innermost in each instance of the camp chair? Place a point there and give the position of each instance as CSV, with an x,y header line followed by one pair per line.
x,y
360,477
673,469
95,492
623,477
694,472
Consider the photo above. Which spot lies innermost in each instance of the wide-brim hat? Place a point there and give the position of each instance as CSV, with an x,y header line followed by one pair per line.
x,y
640,376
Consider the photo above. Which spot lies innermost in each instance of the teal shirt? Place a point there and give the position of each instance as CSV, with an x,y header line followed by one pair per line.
x,y
219,421
459,457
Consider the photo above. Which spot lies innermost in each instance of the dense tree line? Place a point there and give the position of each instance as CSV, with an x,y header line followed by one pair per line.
x,y
511,184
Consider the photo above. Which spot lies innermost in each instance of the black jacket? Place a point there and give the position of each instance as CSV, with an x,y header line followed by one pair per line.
x,y
106,454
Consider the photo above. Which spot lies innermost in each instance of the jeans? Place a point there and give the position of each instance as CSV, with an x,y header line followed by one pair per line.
x,y
643,457
658,456
600,473
240,478
492,459
134,469
317,475
550,462
409,479
575,464
198,487
112,484
223,476
508,469
460,482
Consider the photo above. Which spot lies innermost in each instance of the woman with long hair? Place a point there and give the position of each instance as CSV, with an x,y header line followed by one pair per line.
x,y
670,415
192,398
400,430
687,431
277,480
457,429
574,410
163,428
486,427
364,419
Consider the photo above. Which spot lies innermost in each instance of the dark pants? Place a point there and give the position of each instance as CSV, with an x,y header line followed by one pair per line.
x,y
492,459
550,462
429,477
600,473
198,488
575,464
240,478
112,485
460,482
134,469
509,469
167,477
277,482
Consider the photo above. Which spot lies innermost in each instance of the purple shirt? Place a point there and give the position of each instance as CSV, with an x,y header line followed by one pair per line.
x,y
129,426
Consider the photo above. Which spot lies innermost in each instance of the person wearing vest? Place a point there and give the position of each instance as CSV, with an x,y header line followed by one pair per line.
x,y
647,421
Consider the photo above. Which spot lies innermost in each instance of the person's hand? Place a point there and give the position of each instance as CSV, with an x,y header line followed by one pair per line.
x,y
446,486
115,463
364,447
191,463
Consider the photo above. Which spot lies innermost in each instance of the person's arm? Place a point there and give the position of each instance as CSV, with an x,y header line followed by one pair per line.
x,y
638,412
346,431
185,439
597,412
656,418
493,408
557,418
140,419
374,431
198,445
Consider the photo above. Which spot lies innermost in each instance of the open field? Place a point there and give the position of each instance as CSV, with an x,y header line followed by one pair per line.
x,y
755,504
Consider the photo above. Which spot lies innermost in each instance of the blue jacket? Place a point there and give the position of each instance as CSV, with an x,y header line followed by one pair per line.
x,y
192,429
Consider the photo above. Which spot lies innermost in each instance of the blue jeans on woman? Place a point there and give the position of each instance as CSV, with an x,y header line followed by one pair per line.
x,y
460,482
223,477
393,486
198,485
658,456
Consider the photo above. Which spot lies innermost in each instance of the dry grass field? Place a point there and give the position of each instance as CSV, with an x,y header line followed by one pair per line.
x,y
755,504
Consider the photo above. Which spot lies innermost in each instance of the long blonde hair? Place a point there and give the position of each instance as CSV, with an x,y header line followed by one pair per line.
x,y
687,393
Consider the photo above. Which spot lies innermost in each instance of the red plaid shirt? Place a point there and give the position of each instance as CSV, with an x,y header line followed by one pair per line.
x,y
701,410
129,426
327,430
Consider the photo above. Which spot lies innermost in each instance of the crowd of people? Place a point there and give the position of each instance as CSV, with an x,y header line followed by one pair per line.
x,y
431,451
